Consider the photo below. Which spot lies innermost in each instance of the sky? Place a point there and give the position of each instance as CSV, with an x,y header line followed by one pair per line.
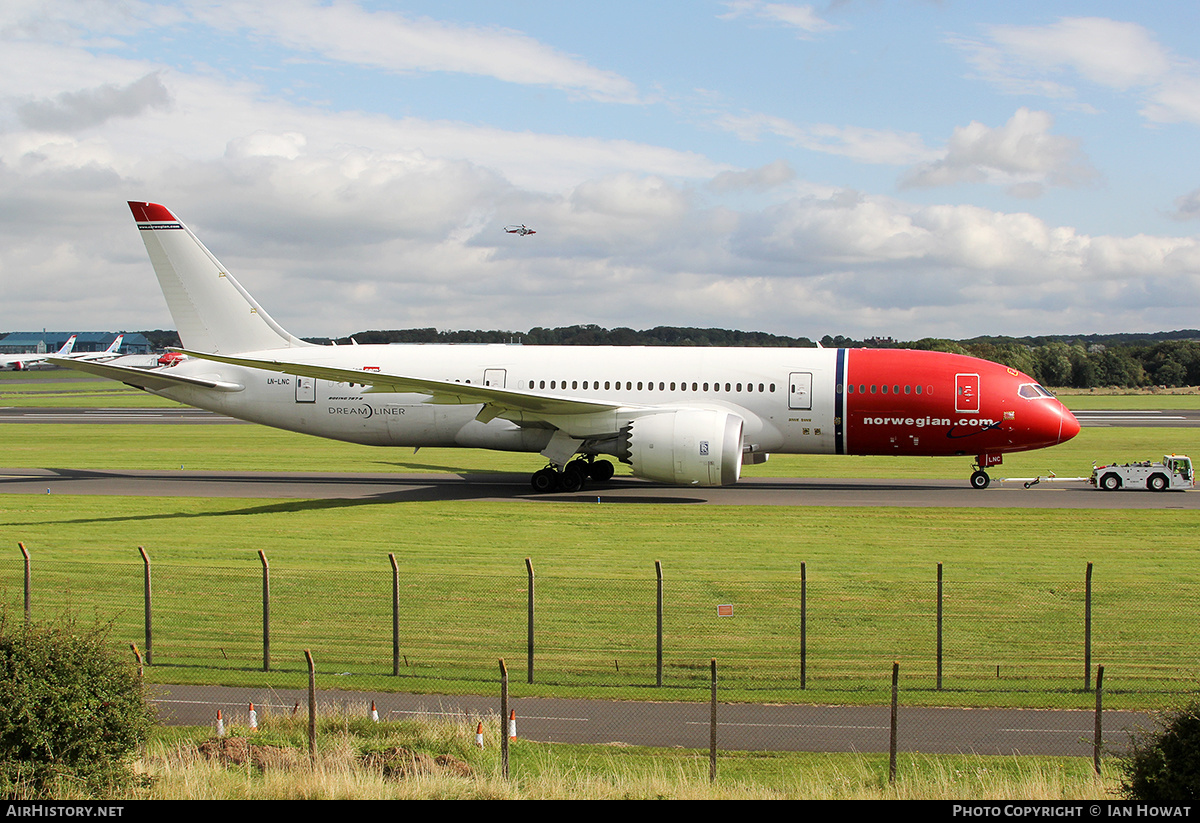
x,y
900,168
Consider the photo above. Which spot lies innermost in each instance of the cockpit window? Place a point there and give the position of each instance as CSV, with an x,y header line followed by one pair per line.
x,y
1032,391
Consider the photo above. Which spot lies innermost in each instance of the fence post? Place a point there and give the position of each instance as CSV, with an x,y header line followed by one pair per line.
x,y
138,657
149,613
529,638
939,627
25,552
803,626
312,704
503,718
1097,742
892,743
266,610
712,724
658,610
1087,631
395,616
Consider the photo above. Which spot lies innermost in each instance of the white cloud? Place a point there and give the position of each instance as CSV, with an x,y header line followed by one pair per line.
x,y
763,178
803,19
1121,56
384,39
1187,206
344,220
1021,154
78,110
864,145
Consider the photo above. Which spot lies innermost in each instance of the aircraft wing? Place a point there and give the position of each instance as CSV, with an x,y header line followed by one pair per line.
x,y
441,392
142,378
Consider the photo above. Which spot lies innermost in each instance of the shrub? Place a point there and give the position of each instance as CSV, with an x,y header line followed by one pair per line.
x,y
71,710
1163,766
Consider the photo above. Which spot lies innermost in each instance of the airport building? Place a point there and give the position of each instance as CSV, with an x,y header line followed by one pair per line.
x,y
42,342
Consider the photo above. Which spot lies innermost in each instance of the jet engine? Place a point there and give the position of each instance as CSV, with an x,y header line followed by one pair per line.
x,y
690,447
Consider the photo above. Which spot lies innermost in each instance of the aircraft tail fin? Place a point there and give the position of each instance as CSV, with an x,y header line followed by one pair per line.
x,y
212,312
66,347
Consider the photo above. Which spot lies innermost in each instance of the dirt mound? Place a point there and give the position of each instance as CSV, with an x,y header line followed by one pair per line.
x,y
398,762
239,751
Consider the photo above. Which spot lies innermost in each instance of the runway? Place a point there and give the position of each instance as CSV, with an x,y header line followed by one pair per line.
x,y
740,726
378,487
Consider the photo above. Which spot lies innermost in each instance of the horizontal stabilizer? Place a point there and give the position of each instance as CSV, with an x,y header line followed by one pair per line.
x,y
142,378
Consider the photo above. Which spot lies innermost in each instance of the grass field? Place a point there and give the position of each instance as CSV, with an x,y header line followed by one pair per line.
x,y
345,769
1014,578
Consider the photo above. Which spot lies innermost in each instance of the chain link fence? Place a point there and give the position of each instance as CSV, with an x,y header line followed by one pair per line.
x,y
776,639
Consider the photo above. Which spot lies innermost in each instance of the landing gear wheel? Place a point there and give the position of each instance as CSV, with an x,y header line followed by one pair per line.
x,y
544,481
572,477
601,471
980,480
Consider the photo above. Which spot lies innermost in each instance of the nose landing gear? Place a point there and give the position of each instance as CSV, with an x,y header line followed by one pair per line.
x,y
980,478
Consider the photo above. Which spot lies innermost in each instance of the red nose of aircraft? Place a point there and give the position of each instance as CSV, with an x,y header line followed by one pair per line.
x,y
1068,426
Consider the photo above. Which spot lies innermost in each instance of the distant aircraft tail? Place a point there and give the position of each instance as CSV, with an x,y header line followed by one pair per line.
x,y
66,347
212,312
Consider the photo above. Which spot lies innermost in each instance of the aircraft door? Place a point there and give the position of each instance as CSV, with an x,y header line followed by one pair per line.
x,y
800,391
966,393
306,390
494,378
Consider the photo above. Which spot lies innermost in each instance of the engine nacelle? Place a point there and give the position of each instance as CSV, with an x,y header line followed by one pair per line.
x,y
690,447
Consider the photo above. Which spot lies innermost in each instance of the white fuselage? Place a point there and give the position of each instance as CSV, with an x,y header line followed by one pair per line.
x,y
754,384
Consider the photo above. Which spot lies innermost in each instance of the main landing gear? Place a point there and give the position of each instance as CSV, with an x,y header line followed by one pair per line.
x,y
572,476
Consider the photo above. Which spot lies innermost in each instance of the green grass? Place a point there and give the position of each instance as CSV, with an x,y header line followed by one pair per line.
x,y
1013,583
558,771
63,388
1131,402
1014,578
